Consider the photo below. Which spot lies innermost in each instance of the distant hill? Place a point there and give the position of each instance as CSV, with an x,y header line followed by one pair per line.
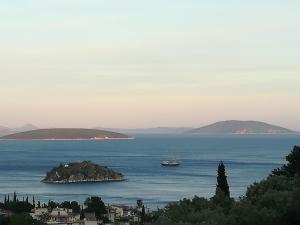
x,y
7,130
154,130
4,129
240,127
25,127
66,133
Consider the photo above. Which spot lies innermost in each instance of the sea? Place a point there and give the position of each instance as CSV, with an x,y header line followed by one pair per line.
x,y
248,158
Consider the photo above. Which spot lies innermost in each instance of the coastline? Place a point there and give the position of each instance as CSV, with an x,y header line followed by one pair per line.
x,y
83,181
65,139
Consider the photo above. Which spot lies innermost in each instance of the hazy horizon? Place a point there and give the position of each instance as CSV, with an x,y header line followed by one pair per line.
x,y
26,125
140,64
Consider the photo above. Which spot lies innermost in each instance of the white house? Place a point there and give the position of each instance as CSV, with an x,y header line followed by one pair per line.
x,y
64,216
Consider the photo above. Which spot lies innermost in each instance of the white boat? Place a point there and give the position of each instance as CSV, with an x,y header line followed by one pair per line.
x,y
170,163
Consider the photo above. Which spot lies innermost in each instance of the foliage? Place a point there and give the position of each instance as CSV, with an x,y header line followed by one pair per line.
x,y
71,205
278,195
143,215
16,205
44,217
4,220
96,205
81,172
292,168
19,219
222,184
66,204
53,205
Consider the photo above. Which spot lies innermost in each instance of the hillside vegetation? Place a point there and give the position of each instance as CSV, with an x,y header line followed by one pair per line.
x,y
85,171
240,127
66,133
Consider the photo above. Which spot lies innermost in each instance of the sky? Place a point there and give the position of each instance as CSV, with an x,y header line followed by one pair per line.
x,y
138,63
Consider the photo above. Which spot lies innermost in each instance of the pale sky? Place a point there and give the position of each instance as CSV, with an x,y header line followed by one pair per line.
x,y
138,63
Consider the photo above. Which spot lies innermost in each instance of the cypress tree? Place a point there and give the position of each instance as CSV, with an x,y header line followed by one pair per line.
x,y
222,184
81,214
33,201
15,197
6,202
143,215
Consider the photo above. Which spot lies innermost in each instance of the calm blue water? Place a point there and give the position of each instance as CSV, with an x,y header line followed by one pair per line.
x,y
247,158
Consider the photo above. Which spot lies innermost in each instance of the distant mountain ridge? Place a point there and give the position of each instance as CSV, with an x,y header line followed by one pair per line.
x,y
7,130
222,127
240,127
26,127
152,130
4,129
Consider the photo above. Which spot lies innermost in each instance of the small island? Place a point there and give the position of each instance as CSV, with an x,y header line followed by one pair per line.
x,y
83,172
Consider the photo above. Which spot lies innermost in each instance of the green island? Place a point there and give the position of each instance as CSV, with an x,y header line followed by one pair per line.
x,y
272,201
65,134
240,127
82,172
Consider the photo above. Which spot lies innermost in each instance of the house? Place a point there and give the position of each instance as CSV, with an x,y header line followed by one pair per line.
x,y
64,216
115,211
38,212
112,214
123,215
121,210
92,222
140,205
90,219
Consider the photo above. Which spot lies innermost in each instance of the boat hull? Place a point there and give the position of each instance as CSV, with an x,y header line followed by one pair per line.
x,y
169,164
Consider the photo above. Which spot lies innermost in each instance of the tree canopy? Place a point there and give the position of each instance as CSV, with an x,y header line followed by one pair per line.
x,y
96,205
292,168
222,184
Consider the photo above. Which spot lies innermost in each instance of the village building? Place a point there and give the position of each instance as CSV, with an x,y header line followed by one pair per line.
x,y
63,216
37,213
